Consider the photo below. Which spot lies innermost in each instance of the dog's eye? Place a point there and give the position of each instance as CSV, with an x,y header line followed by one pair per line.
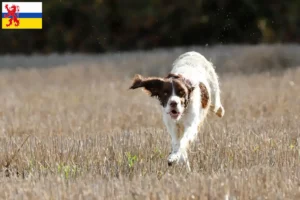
x,y
181,93
165,93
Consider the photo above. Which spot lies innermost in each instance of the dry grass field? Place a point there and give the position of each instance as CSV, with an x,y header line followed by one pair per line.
x,y
75,131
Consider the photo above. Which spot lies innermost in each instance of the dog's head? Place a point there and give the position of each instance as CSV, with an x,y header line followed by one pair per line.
x,y
173,92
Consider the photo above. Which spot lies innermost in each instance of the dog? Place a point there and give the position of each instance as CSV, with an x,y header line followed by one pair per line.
x,y
186,95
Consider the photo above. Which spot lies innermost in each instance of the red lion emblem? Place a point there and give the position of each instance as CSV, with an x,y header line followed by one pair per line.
x,y
12,13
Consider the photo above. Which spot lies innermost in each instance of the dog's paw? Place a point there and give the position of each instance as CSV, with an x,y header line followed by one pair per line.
x,y
173,158
220,112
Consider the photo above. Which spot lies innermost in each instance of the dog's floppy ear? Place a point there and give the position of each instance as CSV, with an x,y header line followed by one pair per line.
x,y
152,85
137,81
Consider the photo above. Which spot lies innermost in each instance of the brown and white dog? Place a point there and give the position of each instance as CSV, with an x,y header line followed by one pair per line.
x,y
186,95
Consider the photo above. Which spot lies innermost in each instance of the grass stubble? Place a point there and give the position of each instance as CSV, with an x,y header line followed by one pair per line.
x,y
77,132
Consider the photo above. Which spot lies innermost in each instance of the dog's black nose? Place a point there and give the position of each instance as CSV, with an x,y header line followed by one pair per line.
x,y
170,164
173,104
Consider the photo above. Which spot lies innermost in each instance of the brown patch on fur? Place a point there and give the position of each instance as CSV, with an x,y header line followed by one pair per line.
x,y
181,78
182,91
204,95
162,88
184,83
148,83
179,130
151,85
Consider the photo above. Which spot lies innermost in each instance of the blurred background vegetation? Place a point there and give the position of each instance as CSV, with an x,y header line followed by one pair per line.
x,y
118,25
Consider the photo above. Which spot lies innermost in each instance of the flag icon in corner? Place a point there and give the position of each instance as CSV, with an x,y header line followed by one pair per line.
x,y
22,15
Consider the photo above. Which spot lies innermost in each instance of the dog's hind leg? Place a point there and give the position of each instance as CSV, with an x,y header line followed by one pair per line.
x,y
216,105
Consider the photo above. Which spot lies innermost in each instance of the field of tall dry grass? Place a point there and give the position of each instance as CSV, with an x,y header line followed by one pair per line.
x,y
75,131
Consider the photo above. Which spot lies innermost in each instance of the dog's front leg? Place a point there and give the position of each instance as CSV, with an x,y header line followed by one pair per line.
x,y
174,155
179,153
172,130
188,137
